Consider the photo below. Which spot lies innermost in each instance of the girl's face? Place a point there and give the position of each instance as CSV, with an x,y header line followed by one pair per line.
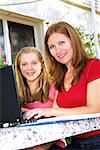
x,y
60,48
30,66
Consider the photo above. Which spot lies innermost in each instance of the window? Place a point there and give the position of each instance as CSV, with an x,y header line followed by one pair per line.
x,y
20,36
2,47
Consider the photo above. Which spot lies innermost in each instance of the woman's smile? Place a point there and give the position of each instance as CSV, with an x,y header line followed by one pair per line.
x,y
60,48
61,55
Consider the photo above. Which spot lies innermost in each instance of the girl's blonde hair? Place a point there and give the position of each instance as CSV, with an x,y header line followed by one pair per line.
x,y
58,70
42,89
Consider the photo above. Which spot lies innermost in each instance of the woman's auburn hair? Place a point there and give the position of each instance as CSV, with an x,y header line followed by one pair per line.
x,y
42,90
56,69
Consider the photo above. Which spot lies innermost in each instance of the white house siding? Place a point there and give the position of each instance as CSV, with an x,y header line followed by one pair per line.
x,y
52,11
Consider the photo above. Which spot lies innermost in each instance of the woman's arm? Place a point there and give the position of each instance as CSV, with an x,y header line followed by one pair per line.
x,y
93,104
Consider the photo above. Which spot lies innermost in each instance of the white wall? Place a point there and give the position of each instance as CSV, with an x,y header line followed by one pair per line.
x,y
52,11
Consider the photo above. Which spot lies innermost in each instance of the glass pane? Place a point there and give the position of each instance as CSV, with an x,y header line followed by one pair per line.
x,y
20,36
2,47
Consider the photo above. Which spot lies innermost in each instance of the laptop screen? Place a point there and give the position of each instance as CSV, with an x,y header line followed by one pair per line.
x,y
9,101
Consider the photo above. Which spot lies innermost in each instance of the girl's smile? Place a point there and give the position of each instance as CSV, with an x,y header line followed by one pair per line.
x,y
30,66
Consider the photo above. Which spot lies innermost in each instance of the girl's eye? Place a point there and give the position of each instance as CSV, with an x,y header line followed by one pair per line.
x,y
34,62
24,64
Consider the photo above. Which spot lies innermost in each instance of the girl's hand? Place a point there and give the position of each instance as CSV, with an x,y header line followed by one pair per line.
x,y
24,109
39,112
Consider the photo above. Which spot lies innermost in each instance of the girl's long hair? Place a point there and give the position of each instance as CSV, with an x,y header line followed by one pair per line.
x,y
42,88
58,70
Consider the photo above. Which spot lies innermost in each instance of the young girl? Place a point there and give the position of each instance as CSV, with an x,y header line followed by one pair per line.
x,y
33,85
35,90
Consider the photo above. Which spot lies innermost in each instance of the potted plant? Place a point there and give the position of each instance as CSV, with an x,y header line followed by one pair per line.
x,y
3,62
88,41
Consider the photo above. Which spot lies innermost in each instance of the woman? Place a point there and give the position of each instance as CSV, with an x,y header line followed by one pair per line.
x,y
77,79
35,90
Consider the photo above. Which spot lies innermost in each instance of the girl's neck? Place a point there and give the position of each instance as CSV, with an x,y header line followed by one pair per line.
x,y
32,85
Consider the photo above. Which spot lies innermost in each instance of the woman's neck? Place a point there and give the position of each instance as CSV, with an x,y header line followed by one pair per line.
x,y
68,78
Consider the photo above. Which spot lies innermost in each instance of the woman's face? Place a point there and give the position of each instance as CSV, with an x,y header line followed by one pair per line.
x,y
30,66
60,48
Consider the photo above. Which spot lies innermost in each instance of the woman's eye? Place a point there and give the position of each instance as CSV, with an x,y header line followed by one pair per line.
x,y
61,42
52,47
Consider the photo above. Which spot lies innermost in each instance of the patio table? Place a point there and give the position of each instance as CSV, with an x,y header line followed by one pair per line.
x,y
47,130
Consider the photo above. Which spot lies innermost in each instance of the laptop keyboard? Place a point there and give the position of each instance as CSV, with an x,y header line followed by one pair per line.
x,y
24,121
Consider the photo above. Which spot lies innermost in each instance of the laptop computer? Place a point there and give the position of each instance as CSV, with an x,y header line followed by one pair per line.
x,y
10,110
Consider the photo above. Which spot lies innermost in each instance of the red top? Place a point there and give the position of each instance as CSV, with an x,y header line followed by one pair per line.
x,y
76,96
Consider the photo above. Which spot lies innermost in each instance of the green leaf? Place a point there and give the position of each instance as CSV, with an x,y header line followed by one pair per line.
x,y
69,140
